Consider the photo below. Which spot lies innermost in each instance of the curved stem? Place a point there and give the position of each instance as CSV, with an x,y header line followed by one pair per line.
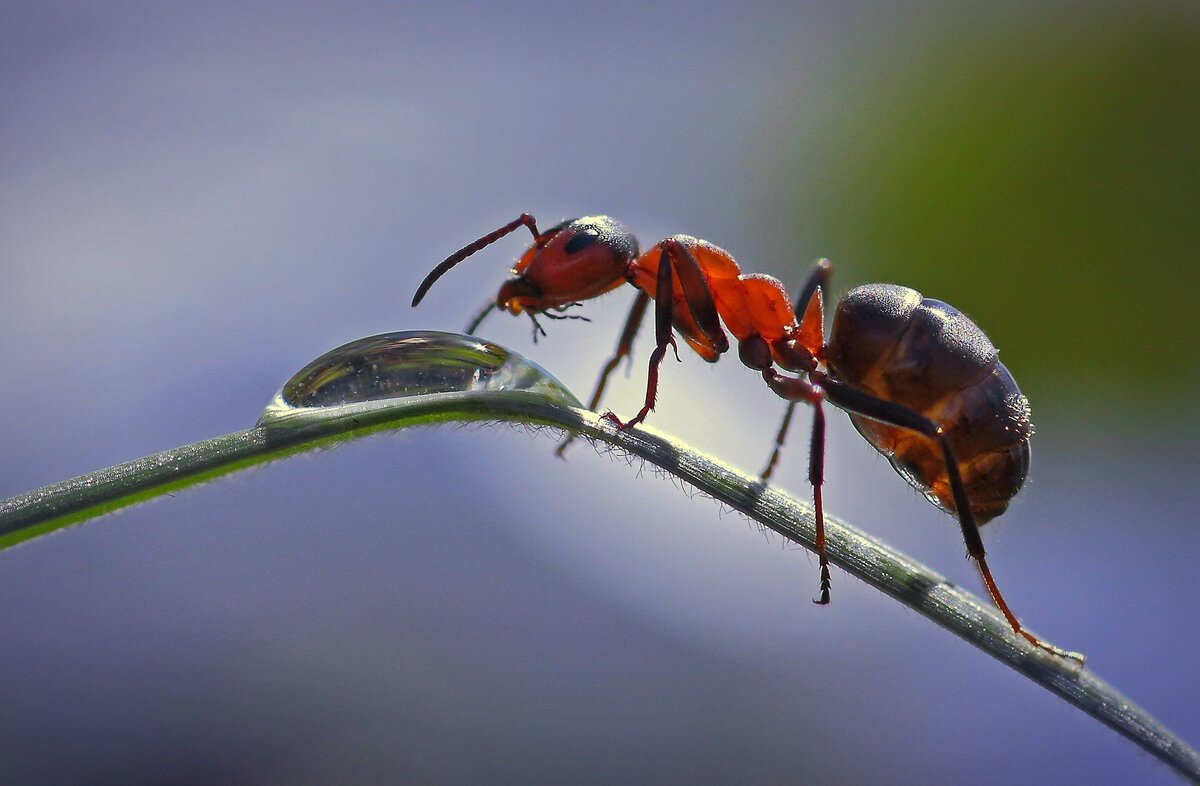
x,y
29,515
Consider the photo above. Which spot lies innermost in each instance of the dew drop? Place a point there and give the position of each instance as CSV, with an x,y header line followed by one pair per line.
x,y
392,366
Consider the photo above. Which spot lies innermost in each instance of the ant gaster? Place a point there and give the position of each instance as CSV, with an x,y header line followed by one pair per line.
x,y
919,380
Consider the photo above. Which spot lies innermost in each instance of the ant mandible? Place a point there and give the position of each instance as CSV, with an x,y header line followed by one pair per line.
x,y
919,380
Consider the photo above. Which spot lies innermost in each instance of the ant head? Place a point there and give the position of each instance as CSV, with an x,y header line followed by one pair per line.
x,y
576,260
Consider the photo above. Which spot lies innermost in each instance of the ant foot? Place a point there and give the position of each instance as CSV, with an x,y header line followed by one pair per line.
x,y
626,424
611,418
1076,657
826,582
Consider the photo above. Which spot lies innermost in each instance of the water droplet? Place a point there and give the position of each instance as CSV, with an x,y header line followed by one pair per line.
x,y
378,369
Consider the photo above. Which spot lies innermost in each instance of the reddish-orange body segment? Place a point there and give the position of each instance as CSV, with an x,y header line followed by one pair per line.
x,y
920,381
749,305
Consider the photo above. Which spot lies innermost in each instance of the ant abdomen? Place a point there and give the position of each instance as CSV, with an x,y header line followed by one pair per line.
x,y
989,427
894,344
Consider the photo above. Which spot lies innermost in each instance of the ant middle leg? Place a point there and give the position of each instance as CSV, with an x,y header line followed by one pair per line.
x,y
796,389
817,281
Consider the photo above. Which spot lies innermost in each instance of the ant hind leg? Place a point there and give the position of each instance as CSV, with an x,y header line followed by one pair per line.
x,y
890,413
780,437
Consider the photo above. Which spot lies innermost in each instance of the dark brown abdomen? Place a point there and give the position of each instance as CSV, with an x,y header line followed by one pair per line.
x,y
894,344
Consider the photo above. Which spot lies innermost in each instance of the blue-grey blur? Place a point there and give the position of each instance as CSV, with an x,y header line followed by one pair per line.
x,y
197,199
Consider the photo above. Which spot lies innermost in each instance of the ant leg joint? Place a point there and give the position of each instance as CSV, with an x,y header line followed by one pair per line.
x,y
754,352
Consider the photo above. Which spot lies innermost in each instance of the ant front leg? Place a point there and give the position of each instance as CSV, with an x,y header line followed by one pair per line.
x,y
676,262
481,315
893,414
795,389
817,281
663,310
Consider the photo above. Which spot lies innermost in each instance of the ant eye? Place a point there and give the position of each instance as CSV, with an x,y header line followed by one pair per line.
x,y
582,239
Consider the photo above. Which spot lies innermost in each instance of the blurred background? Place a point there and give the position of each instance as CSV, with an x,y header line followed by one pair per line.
x,y
198,199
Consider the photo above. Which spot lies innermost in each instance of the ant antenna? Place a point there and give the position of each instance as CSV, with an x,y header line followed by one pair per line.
x,y
525,220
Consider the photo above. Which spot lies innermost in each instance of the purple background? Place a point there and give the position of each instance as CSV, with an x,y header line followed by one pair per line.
x,y
196,200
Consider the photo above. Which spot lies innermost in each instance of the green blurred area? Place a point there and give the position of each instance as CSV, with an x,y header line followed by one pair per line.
x,y
1042,173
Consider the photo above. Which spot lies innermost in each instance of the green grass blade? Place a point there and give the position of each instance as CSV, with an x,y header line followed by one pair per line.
x,y
56,506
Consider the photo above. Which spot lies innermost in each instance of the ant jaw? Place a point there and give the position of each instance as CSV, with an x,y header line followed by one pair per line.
x,y
517,295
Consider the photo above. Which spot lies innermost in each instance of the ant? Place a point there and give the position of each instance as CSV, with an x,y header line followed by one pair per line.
x,y
919,380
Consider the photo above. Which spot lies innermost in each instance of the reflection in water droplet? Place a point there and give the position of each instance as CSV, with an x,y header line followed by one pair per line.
x,y
409,363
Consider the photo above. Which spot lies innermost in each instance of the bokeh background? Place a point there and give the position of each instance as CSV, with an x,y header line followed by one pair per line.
x,y
198,198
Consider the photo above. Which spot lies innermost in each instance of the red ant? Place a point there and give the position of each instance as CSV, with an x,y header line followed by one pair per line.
x,y
919,380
